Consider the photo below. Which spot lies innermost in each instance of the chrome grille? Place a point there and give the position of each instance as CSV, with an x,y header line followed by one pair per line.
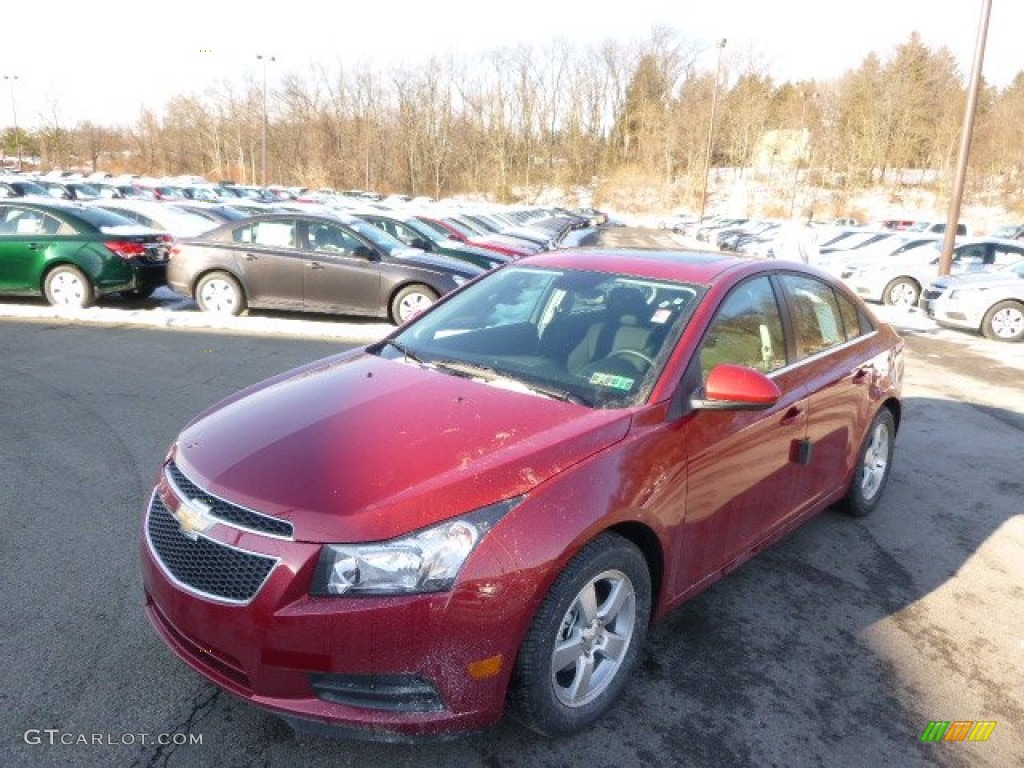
x,y
232,514
202,565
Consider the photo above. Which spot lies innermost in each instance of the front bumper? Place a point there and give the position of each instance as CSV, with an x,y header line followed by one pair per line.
x,y
386,668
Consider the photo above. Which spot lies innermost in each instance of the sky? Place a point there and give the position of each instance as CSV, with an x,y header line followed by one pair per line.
x,y
106,60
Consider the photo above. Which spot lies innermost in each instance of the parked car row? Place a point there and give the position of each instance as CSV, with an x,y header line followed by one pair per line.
x,y
294,255
899,265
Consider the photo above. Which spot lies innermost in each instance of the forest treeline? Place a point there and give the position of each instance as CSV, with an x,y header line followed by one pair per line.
x,y
559,114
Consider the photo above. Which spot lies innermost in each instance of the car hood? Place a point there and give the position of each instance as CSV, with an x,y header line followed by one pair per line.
x,y
980,280
424,259
359,448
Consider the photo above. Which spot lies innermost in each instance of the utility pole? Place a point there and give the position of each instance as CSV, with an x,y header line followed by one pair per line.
x,y
966,133
711,131
12,79
263,143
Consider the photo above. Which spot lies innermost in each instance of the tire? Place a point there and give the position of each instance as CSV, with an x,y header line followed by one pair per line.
x,y
901,292
67,286
874,465
1004,321
611,574
220,293
410,301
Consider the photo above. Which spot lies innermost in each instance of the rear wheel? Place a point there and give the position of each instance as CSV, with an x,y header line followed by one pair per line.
x,y
874,463
220,293
584,640
410,301
901,292
67,286
1004,321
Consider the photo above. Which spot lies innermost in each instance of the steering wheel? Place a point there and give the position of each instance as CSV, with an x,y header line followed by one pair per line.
x,y
631,353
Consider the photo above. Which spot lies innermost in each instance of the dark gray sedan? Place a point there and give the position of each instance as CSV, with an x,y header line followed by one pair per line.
x,y
311,263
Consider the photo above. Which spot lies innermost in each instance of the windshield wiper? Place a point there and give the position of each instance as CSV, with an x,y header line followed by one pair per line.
x,y
408,353
491,375
467,370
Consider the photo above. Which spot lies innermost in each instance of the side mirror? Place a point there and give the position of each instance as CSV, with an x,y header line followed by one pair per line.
x,y
736,387
365,252
422,243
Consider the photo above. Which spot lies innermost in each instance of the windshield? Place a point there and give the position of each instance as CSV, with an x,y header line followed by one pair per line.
x,y
390,245
591,338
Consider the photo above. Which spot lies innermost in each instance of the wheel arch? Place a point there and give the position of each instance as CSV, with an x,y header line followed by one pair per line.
x,y
647,541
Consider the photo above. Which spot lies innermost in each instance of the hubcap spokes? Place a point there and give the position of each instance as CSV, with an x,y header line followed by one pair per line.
x,y
593,639
876,460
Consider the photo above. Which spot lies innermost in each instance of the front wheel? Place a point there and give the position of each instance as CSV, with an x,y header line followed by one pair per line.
x,y
410,301
584,640
220,293
67,286
901,292
874,463
1004,321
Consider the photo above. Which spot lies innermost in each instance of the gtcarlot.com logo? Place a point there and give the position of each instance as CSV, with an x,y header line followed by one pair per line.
x,y
56,737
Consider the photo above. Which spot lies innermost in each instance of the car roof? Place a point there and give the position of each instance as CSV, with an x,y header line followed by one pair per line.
x,y
702,267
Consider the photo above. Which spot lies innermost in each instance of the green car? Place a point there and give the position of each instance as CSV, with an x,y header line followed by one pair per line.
x,y
416,234
73,254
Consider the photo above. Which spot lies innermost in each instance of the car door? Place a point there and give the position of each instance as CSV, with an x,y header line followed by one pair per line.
x,y
742,464
342,272
827,329
270,262
25,236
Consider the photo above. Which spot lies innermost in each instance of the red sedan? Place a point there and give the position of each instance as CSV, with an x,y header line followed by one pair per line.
x,y
486,510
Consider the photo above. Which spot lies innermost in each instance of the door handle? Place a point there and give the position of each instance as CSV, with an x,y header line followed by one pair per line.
x,y
860,374
34,246
251,257
315,265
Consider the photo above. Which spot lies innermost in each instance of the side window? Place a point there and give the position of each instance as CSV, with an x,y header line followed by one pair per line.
x,y
970,255
1007,254
331,239
272,234
852,318
818,319
746,330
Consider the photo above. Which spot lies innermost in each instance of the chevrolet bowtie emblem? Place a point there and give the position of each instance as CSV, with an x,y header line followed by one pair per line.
x,y
193,518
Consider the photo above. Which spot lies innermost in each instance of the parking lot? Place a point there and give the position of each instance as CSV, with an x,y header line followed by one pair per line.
x,y
836,647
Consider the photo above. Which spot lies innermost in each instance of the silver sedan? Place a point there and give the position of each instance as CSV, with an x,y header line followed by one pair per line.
x,y
990,302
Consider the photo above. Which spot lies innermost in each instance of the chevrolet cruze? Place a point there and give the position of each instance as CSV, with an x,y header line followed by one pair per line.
x,y
484,512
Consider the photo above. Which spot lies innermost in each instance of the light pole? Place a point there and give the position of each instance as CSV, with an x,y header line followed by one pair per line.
x,y
12,79
263,143
711,131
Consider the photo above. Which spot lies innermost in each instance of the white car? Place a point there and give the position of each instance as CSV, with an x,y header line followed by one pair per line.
x,y
886,249
898,280
154,214
990,302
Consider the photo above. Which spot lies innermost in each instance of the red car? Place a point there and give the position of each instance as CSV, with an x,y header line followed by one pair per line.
x,y
457,230
485,510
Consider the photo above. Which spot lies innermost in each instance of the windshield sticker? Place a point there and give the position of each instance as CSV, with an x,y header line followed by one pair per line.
x,y
610,380
661,316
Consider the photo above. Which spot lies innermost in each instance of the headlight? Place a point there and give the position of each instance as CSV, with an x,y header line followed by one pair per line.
x,y
954,294
425,561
